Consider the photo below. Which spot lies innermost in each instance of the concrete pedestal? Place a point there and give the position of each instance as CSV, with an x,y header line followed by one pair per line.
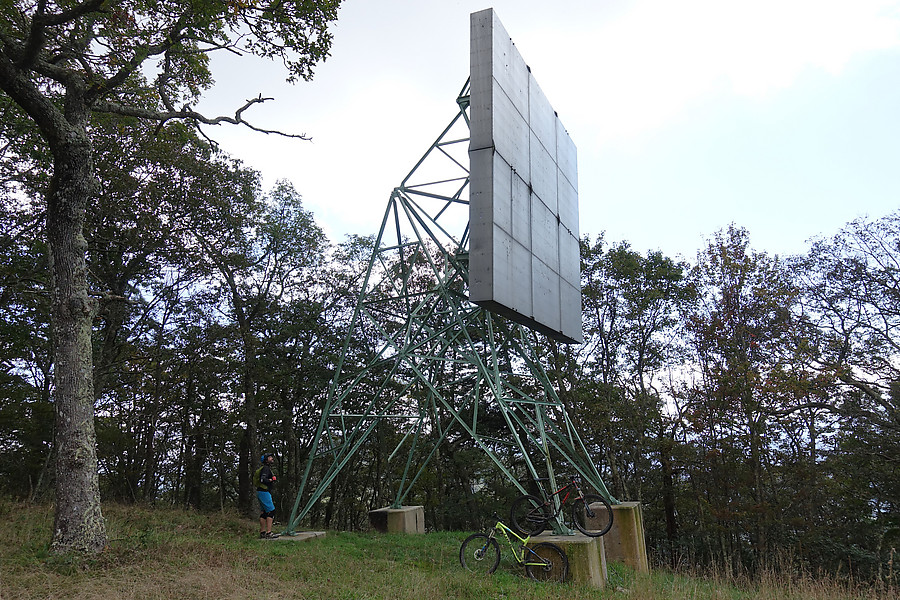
x,y
587,560
625,541
406,519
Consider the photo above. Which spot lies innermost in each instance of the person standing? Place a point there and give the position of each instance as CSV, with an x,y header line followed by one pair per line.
x,y
264,478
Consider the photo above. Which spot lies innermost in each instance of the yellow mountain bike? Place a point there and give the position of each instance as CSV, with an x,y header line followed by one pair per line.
x,y
480,553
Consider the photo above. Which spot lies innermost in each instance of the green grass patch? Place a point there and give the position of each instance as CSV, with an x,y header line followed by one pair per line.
x,y
168,554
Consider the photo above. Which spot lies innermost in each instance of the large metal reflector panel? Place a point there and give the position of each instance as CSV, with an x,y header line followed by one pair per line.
x,y
523,199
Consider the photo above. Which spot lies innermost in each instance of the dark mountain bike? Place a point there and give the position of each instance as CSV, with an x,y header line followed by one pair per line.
x,y
480,553
591,514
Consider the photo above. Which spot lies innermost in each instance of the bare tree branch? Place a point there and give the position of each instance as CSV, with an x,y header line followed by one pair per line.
x,y
191,115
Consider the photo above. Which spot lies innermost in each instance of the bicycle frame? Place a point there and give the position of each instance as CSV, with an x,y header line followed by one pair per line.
x,y
523,547
557,506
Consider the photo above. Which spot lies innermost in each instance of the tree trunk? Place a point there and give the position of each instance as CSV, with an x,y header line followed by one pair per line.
x,y
244,465
247,501
618,483
78,524
45,477
196,457
668,497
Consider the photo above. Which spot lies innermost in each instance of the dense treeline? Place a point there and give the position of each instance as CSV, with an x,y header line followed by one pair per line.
x,y
67,69
751,402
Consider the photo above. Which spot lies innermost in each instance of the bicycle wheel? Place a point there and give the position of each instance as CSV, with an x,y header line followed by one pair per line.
x,y
529,515
479,553
593,516
555,565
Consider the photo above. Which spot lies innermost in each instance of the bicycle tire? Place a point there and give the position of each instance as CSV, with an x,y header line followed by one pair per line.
x,y
557,567
479,553
529,515
593,516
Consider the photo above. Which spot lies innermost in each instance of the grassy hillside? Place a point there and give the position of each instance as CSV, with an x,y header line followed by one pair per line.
x,y
178,555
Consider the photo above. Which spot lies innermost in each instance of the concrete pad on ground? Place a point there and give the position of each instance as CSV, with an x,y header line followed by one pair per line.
x,y
406,519
300,536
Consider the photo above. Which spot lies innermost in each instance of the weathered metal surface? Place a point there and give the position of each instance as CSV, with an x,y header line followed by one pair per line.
x,y
523,191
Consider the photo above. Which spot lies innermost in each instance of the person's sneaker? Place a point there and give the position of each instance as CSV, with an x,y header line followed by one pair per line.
x,y
263,535
272,535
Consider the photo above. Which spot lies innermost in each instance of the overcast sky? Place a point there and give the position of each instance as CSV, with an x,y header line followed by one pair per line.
x,y
781,116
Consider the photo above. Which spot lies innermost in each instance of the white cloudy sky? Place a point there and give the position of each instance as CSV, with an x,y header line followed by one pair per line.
x,y
782,116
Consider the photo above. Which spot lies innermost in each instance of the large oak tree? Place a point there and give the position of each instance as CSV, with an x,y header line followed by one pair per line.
x,y
61,61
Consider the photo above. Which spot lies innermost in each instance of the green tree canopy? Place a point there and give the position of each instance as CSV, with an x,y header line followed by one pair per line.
x,y
61,61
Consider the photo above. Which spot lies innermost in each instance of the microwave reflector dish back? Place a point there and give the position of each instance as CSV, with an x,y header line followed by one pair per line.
x,y
524,259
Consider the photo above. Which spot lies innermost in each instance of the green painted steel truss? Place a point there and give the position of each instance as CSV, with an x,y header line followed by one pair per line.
x,y
437,366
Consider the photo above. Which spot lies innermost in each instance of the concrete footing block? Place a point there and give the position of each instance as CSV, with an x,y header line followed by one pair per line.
x,y
406,519
625,542
587,560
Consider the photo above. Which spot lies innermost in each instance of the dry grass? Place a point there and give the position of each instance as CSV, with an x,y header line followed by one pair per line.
x,y
178,555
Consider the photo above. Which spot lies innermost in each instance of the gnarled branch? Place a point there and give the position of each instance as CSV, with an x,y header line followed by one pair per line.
x,y
191,115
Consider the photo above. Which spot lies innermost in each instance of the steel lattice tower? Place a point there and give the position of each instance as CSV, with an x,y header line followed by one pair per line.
x,y
438,363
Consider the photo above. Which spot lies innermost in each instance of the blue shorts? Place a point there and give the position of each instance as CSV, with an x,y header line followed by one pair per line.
x,y
265,501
